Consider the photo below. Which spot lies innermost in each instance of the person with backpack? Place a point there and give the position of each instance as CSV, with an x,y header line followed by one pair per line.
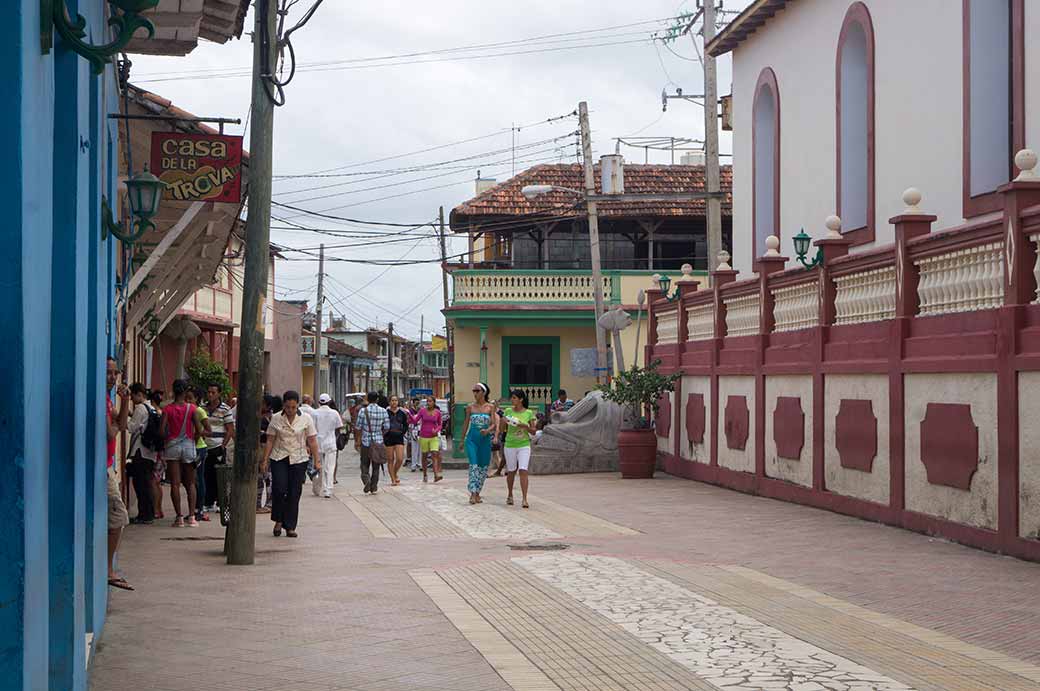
x,y
145,441
180,428
159,470
394,439
372,423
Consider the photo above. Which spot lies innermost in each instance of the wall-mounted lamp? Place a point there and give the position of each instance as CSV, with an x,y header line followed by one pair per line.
x,y
802,242
54,15
665,282
144,192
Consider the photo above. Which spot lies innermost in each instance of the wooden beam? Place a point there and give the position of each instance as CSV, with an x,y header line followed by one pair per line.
x,y
167,241
183,259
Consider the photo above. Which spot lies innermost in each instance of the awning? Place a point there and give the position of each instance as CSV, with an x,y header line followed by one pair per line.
x,y
179,24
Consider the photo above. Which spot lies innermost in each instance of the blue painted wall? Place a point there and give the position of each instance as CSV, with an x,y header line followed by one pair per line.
x,y
58,288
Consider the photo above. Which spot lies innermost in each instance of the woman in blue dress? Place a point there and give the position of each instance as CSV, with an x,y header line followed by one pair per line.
x,y
481,426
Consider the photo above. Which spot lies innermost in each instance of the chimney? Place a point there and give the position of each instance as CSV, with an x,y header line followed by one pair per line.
x,y
484,184
612,172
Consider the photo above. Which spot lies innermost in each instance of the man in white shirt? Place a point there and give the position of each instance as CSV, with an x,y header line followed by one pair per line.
x,y
328,423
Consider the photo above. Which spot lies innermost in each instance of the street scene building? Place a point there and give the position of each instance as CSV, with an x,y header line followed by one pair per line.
x,y
652,348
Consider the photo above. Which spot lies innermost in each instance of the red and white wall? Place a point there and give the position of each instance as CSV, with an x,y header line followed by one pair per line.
x,y
900,385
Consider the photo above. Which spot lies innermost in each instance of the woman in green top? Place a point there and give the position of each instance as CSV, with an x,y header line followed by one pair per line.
x,y
520,422
201,418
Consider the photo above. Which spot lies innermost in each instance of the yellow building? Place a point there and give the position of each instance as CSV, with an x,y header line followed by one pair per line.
x,y
522,313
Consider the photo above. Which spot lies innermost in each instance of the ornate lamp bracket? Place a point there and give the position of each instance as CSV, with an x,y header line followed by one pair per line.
x,y
54,15
109,226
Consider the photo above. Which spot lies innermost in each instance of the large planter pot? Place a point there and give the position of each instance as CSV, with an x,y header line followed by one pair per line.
x,y
637,453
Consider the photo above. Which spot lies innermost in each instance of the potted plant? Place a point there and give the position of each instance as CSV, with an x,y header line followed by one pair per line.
x,y
638,391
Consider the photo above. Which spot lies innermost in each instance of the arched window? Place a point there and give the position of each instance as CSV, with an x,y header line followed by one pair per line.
x,y
993,108
854,91
765,145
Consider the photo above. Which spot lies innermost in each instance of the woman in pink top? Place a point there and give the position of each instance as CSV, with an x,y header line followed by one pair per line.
x,y
179,428
429,420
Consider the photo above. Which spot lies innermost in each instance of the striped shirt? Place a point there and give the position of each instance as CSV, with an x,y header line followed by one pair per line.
x,y
372,422
219,418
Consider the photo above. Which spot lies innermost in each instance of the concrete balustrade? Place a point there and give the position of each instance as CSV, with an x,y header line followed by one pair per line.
x,y
742,315
700,322
865,296
962,280
796,307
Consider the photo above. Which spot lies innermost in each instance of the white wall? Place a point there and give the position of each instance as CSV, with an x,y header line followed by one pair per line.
x,y
918,122
1032,30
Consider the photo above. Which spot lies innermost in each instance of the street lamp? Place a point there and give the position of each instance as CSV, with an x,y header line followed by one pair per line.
x,y
144,192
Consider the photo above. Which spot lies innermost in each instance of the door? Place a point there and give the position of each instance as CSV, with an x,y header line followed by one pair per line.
x,y
530,363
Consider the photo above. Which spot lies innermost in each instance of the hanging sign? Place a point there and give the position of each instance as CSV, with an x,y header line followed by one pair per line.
x,y
198,167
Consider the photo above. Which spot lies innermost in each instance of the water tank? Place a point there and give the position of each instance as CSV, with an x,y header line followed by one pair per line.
x,y
692,158
612,172
484,184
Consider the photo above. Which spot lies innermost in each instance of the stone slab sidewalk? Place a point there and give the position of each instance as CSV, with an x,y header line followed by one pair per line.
x,y
662,583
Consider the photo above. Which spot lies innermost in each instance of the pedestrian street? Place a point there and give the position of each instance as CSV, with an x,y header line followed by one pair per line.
x,y
600,584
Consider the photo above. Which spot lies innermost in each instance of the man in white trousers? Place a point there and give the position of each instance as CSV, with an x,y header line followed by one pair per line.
x,y
328,423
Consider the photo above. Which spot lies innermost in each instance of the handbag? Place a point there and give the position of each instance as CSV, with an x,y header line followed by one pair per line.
x,y
376,450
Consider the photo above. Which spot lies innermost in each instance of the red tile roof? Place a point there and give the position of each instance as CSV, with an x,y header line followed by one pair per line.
x,y
505,198
744,25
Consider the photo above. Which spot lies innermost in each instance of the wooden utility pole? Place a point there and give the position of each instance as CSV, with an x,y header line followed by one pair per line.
x,y
317,323
241,531
419,349
447,329
597,280
711,140
389,359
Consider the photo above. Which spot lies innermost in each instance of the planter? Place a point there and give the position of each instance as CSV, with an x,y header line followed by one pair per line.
x,y
637,453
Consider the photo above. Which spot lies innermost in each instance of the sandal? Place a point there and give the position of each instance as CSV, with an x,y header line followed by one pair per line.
x,y
291,533
277,529
509,501
438,478
479,500
526,505
472,499
179,522
425,478
120,582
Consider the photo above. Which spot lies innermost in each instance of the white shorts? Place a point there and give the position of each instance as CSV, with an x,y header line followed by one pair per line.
x,y
518,458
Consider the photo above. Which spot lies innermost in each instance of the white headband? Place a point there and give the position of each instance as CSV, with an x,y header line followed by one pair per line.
x,y
485,388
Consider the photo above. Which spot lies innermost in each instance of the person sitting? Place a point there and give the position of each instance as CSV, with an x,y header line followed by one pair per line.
x,y
561,403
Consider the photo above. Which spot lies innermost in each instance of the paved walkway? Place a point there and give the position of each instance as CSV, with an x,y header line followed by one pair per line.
x,y
601,584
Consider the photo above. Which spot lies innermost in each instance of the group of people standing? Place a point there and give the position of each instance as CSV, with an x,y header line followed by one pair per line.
x,y
382,432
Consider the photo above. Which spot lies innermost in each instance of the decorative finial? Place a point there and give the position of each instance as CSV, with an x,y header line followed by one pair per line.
x,y
1025,161
772,246
833,224
656,279
912,197
687,272
723,258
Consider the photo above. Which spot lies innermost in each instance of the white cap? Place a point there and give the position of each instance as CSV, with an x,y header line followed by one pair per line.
x,y
324,398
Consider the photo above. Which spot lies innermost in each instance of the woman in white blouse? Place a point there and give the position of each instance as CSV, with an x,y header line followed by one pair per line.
x,y
292,438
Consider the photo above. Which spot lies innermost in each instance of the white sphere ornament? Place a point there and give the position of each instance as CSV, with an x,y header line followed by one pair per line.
x,y
833,225
687,272
772,246
723,258
911,198
1025,161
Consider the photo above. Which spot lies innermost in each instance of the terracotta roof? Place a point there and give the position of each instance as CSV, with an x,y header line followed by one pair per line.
x,y
505,198
746,23
340,348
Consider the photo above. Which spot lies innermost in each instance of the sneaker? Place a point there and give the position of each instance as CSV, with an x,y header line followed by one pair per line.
x,y
179,522
212,509
192,523
326,495
204,517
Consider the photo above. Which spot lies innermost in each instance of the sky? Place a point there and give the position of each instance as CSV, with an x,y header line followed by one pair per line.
x,y
369,124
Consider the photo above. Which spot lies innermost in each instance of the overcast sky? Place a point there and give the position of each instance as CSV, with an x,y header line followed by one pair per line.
x,y
346,116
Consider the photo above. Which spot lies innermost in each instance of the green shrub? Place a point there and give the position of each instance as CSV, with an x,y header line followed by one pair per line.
x,y
639,389
203,371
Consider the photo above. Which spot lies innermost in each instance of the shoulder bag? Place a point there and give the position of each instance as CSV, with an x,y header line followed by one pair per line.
x,y
376,450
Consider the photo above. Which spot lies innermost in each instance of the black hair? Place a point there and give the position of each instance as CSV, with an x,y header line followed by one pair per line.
x,y
275,404
214,384
384,402
561,392
179,387
290,395
155,396
521,394
138,387
372,397
332,404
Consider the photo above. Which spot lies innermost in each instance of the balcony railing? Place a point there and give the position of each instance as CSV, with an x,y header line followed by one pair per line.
x,y
551,287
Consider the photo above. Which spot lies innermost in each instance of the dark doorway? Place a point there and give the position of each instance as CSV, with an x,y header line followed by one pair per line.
x,y
530,363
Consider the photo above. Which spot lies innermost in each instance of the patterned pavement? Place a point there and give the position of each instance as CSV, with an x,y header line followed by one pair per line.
x,y
603,584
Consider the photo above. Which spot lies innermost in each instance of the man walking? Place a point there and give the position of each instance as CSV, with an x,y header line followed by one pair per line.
x,y
118,518
328,423
372,424
222,424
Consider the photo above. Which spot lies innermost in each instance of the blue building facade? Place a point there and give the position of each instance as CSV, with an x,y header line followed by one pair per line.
x,y
58,318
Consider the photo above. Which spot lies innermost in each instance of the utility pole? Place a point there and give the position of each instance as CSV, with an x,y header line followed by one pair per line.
x,y
711,139
317,323
597,280
447,329
419,349
241,531
389,359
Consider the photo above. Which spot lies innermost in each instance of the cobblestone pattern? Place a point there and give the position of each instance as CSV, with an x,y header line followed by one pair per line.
x,y
729,649
928,660
557,517
483,521
578,649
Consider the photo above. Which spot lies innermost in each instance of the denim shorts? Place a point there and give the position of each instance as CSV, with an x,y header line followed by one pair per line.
x,y
180,449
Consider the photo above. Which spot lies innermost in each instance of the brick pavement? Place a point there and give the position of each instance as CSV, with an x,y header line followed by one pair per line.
x,y
383,593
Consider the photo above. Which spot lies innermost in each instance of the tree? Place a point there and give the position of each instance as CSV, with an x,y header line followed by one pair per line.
x,y
203,371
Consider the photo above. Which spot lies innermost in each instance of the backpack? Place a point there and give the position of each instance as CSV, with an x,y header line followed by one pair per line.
x,y
151,439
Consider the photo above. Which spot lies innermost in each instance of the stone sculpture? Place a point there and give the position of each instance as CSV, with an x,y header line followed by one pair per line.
x,y
582,439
